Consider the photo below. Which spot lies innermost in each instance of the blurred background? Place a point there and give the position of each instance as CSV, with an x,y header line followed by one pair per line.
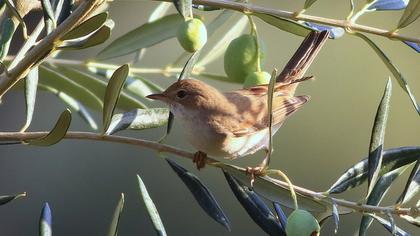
x,y
82,180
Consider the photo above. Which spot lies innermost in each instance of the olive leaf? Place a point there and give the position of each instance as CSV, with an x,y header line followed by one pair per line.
x,y
49,18
202,194
415,46
56,134
412,186
391,67
184,8
151,208
336,216
334,32
281,216
284,24
113,227
96,38
205,8
8,198
308,3
377,138
378,193
357,174
387,5
138,119
411,13
144,36
87,27
31,86
8,29
112,94
189,66
415,221
45,221
390,227
255,207
13,10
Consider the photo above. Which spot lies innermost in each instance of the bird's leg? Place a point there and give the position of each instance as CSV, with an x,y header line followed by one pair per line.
x,y
200,159
259,170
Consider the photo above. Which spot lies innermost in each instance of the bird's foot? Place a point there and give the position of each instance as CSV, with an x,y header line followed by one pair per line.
x,y
255,172
200,159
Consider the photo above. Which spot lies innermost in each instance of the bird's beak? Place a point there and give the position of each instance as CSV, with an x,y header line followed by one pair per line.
x,y
157,96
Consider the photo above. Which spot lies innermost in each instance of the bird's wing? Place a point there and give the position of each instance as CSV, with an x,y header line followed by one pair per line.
x,y
253,116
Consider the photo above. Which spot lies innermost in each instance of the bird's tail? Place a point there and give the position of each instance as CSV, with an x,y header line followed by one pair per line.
x,y
297,66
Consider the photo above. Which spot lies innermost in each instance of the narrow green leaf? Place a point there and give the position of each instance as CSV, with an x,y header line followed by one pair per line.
x,y
31,86
189,66
217,50
87,27
138,119
53,77
357,174
278,191
45,221
96,38
8,198
336,216
415,221
378,193
411,13
16,14
255,207
377,138
308,3
113,227
56,134
8,29
144,36
97,86
285,24
151,209
184,8
388,226
281,216
112,94
412,186
394,70
201,194
49,18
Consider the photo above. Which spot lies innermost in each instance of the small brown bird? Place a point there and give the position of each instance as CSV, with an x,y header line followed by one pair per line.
x,y
235,124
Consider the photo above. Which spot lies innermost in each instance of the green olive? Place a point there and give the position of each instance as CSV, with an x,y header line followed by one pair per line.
x,y
241,58
192,35
257,78
302,223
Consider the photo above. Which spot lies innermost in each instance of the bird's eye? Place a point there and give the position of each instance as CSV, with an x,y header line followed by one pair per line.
x,y
181,94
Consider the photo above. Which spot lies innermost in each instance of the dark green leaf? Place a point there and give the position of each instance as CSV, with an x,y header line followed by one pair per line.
x,y
184,8
144,36
255,207
10,4
394,70
96,38
388,226
45,221
308,3
413,185
49,18
201,194
53,77
98,87
138,119
31,86
189,66
377,138
57,133
387,5
392,159
378,193
151,209
112,94
8,29
8,198
87,27
113,227
411,13
284,24
205,8
281,216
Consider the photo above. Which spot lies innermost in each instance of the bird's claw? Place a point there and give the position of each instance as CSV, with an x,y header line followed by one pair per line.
x,y
200,159
255,172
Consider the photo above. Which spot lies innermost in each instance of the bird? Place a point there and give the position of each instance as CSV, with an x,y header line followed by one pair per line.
x,y
236,123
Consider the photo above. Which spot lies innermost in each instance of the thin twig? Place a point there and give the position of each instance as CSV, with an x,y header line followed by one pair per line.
x,y
17,136
249,8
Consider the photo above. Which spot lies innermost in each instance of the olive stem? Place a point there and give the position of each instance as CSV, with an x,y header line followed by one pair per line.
x,y
363,208
292,189
254,32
